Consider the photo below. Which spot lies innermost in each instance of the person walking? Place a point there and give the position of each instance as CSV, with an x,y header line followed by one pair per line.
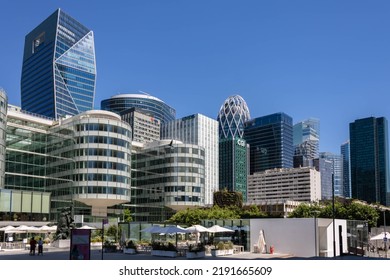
x,y
33,244
40,246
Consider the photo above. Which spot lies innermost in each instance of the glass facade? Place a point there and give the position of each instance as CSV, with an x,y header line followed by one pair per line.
x,y
232,115
148,104
345,153
337,172
59,69
370,160
233,165
168,176
271,142
202,131
3,135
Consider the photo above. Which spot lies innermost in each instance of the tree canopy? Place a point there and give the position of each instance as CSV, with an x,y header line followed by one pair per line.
x,y
349,210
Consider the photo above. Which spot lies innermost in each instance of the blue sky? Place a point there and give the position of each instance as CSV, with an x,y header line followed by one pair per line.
x,y
325,59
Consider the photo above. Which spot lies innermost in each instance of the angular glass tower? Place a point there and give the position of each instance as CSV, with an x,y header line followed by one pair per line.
x,y
345,153
369,153
59,69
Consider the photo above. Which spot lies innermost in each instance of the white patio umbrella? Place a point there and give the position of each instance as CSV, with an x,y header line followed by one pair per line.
x,y
25,228
197,228
46,228
86,227
217,228
381,236
7,228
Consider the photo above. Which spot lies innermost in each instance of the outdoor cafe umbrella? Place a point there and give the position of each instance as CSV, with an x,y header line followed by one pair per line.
x,y
173,230
381,236
152,229
217,228
197,228
87,227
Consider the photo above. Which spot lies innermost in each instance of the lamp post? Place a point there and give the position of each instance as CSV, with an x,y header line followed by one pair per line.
x,y
384,229
333,218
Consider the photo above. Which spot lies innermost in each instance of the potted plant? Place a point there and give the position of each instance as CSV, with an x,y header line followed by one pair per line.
x,y
130,248
160,249
228,248
196,251
219,249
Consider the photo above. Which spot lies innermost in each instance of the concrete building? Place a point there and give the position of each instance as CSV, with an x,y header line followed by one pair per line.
x,y
297,184
199,130
145,128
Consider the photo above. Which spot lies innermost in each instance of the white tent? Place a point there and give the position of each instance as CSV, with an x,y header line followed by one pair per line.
x,y
86,227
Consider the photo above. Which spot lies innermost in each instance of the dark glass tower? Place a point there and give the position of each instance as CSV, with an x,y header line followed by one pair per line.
x,y
369,154
149,104
59,71
271,142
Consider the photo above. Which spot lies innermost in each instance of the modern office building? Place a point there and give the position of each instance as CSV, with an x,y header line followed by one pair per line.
x,y
145,128
3,134
199,130
306,139
232,116
149,104
296,184
233,166
337,172
233,149
101,155
168,175
345,153
370,160
81,161
325,167
59,69
271,142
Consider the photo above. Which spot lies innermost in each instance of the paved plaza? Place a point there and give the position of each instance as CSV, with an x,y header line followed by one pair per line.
x,y
96,254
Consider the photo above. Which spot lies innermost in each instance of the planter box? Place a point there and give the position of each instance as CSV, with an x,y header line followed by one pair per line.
x,y
129,251
160,253
216,253
195,255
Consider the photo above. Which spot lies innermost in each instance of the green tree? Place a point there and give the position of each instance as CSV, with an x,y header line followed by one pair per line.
x,y
127,216
227,198
305,211
251,212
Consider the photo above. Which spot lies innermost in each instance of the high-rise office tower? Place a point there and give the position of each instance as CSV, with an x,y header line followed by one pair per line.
x,y
271,142
370,160
306,140
59,69
337,172
325,167
232,116
148,104
233,150
345,153
199,130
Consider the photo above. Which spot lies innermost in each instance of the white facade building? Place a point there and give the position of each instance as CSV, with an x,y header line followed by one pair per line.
x,y
298,184
202,131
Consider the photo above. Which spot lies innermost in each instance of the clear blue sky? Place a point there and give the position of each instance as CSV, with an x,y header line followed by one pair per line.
x,y
325,59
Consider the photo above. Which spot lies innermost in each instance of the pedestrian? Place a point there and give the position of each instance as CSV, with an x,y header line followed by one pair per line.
x,y
33,244
40,246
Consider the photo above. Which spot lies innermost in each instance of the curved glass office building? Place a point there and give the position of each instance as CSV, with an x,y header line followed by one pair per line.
x,y
231,117
3,129
149,104
101,159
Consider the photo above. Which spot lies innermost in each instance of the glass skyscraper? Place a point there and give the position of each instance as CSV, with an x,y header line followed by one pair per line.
x,y
337,172
271,142
59,69
306,140
369,160
148,104
345,153
233,149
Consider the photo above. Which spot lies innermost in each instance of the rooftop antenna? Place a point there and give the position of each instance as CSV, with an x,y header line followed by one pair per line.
x,y
144,92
